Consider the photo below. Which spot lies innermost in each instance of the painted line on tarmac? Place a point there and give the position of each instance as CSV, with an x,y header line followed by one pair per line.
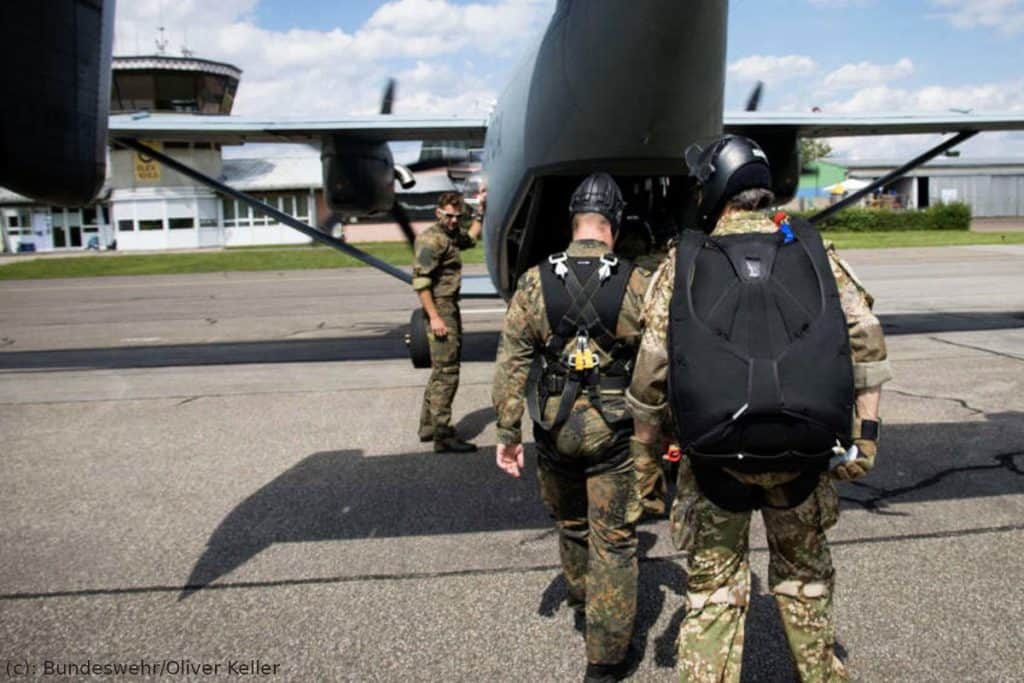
x,y
188,589
467,311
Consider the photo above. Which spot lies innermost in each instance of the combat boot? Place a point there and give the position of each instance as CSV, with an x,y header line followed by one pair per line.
x,y
610,673
453,444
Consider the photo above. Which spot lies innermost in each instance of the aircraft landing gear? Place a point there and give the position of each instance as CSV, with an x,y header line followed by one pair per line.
x,y
416,340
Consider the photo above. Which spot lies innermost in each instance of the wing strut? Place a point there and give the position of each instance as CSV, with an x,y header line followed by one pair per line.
x,y
269,210
884,180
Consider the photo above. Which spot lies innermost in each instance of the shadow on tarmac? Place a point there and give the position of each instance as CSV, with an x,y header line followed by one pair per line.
x,y
657,577
341,495
476,347
389,344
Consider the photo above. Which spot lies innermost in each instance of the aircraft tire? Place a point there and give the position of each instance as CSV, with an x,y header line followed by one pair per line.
x,y
416,340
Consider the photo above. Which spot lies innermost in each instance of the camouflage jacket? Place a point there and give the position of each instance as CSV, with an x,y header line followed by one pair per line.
x,y
647,392
437,264
526,329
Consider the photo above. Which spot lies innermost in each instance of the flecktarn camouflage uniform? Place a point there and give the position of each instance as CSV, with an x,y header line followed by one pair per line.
x,y
437,266
595,508
710,645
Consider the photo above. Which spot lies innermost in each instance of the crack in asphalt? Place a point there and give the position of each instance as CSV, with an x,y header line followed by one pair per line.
x,y
977,348
457,573
319,328
960,401
876,503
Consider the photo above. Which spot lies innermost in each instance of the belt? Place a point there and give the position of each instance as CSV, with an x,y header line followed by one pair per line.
x,y
555,383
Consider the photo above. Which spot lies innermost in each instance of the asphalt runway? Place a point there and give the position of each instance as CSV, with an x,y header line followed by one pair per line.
x,y
222,471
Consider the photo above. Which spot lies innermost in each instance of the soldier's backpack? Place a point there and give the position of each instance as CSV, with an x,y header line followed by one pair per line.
x,y
760,374
582,299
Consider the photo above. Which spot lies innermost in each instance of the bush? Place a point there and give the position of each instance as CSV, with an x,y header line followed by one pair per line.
x,y
953,216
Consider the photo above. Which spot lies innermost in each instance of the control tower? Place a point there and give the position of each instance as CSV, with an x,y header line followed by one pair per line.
x,y
172,84
153,207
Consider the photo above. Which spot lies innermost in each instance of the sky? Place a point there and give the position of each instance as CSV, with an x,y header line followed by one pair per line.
x,y
331,58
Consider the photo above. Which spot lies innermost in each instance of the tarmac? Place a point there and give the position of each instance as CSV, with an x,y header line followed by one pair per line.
x,y
222,471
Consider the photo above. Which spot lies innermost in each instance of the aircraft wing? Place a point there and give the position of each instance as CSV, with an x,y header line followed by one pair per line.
x,y
235,130
816,125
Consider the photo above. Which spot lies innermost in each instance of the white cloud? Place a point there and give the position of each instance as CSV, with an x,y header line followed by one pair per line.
x,y
866,74
331,72
1006,16
1004,97
771,69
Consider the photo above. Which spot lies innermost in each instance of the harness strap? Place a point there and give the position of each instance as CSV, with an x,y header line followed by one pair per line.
x,y
577,305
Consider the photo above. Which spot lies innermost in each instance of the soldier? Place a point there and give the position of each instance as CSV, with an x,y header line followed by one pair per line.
x,y
754,309
436,277
636,241
566,353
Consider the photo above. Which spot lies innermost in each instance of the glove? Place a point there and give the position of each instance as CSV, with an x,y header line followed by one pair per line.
x,y
861,465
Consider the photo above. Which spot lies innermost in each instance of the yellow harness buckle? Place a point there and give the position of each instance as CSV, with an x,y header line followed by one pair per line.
x,y
583,360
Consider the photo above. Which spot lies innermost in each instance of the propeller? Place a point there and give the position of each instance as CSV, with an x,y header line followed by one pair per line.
x,y
388,100
402,218
404,174
755,97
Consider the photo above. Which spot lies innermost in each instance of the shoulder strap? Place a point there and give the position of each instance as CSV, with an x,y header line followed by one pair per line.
x,y
592,303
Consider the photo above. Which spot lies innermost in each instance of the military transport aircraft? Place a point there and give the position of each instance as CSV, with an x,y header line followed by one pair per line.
x,y
614,86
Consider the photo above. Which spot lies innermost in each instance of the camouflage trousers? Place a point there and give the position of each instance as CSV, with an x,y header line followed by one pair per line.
x,y
595,511
445,356
710,645
651,485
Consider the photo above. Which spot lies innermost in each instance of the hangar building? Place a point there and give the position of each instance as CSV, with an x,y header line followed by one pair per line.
x,y
993,187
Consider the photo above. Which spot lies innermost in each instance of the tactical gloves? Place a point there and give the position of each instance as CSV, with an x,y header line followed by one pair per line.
x,y
861,465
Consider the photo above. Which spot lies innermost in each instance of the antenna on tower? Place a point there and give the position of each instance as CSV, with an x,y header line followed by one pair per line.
x,y
161,42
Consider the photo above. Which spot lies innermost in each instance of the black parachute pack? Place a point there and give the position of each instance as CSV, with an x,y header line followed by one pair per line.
x,y
582,300
760,374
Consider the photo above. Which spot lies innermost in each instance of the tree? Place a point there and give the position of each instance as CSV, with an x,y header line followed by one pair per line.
x,y
812,149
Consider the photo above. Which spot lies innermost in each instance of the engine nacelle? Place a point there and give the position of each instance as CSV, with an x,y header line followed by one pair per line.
x,y
783,150
359,176
53,129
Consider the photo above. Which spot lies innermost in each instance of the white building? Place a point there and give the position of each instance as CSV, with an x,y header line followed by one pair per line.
x,y
145,206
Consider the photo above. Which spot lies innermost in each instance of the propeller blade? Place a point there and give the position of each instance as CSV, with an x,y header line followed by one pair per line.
x,y
389,97
755,97
402,218
326,226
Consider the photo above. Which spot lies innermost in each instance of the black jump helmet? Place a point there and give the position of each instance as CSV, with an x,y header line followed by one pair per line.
x,y
598,193
723,169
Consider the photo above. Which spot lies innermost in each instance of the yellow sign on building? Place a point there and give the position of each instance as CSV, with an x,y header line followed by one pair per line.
x,y
147,170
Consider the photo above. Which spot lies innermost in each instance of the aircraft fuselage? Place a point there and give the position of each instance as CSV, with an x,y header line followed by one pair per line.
x,y
612,86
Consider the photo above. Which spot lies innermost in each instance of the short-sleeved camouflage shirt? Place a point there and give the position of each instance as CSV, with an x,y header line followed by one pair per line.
x,y
437,264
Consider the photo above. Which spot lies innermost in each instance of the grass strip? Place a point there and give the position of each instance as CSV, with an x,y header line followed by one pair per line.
x,y
919,238
284,258
397,253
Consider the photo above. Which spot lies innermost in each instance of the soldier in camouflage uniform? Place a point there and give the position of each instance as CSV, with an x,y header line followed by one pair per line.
x,y
437,277
585,463
801,576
